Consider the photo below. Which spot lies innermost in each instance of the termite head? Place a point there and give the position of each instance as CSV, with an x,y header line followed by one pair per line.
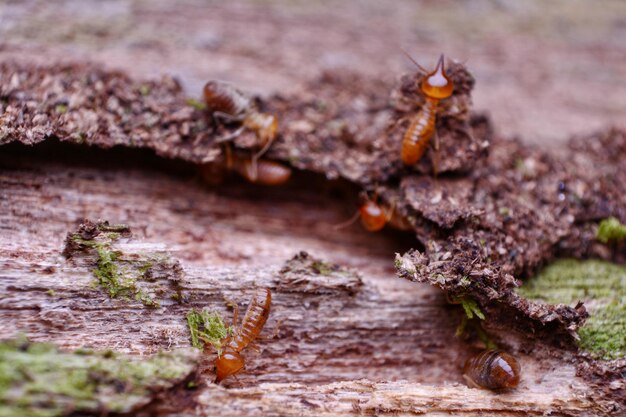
x,y
228,363
437,84
264,125
373,217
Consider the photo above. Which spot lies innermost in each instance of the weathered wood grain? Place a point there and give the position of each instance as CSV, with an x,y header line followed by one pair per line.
x,y
367,327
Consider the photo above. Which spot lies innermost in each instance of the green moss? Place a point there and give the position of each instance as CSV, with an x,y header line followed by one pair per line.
x,y
125,278
144,90
323,268
110,278
207,328
602,286
198,105
471,309
611,230
37,380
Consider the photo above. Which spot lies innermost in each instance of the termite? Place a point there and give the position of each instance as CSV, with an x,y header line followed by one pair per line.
x,y
492,369
374,216
435,86
231,361
226,102
262,171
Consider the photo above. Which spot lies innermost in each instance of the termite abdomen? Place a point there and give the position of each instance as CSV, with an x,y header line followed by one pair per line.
x,y
492,369
418,134
224,98
256,315
263,172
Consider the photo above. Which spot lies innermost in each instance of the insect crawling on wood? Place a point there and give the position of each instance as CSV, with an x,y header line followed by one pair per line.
x,y
435,86
492,369
226,102
231,361
263,171
374,216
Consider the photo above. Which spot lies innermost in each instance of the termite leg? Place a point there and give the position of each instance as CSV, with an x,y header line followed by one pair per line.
x,y
235,306
228,156
229,118
238,381
389,213
230,136
252,345
259,154
274,333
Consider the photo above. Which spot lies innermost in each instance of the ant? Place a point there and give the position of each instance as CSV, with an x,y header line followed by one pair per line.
x,y
231,361
435,86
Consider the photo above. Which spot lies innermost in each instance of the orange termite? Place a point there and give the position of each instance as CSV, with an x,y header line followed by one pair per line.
x,y
225,101
435,86
231,361
375,216
492,369
262,171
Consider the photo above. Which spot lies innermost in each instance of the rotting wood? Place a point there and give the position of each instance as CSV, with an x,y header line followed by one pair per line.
x,y
588,193
332,327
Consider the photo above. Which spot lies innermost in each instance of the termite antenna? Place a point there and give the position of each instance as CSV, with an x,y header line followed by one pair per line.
x,y
414,61
348,222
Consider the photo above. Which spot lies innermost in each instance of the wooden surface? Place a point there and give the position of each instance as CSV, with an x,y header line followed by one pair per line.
x,y
362,342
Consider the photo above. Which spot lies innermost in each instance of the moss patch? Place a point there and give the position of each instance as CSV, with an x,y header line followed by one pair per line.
x,y
126,274
471,309
602,287
38,380
207,328
611,230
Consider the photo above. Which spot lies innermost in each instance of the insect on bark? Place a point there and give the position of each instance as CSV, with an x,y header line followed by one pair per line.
x,y
492,369
435,86
231,361
228,103
375,216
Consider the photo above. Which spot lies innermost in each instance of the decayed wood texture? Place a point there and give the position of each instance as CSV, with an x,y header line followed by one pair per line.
x,y
477,228
334,325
